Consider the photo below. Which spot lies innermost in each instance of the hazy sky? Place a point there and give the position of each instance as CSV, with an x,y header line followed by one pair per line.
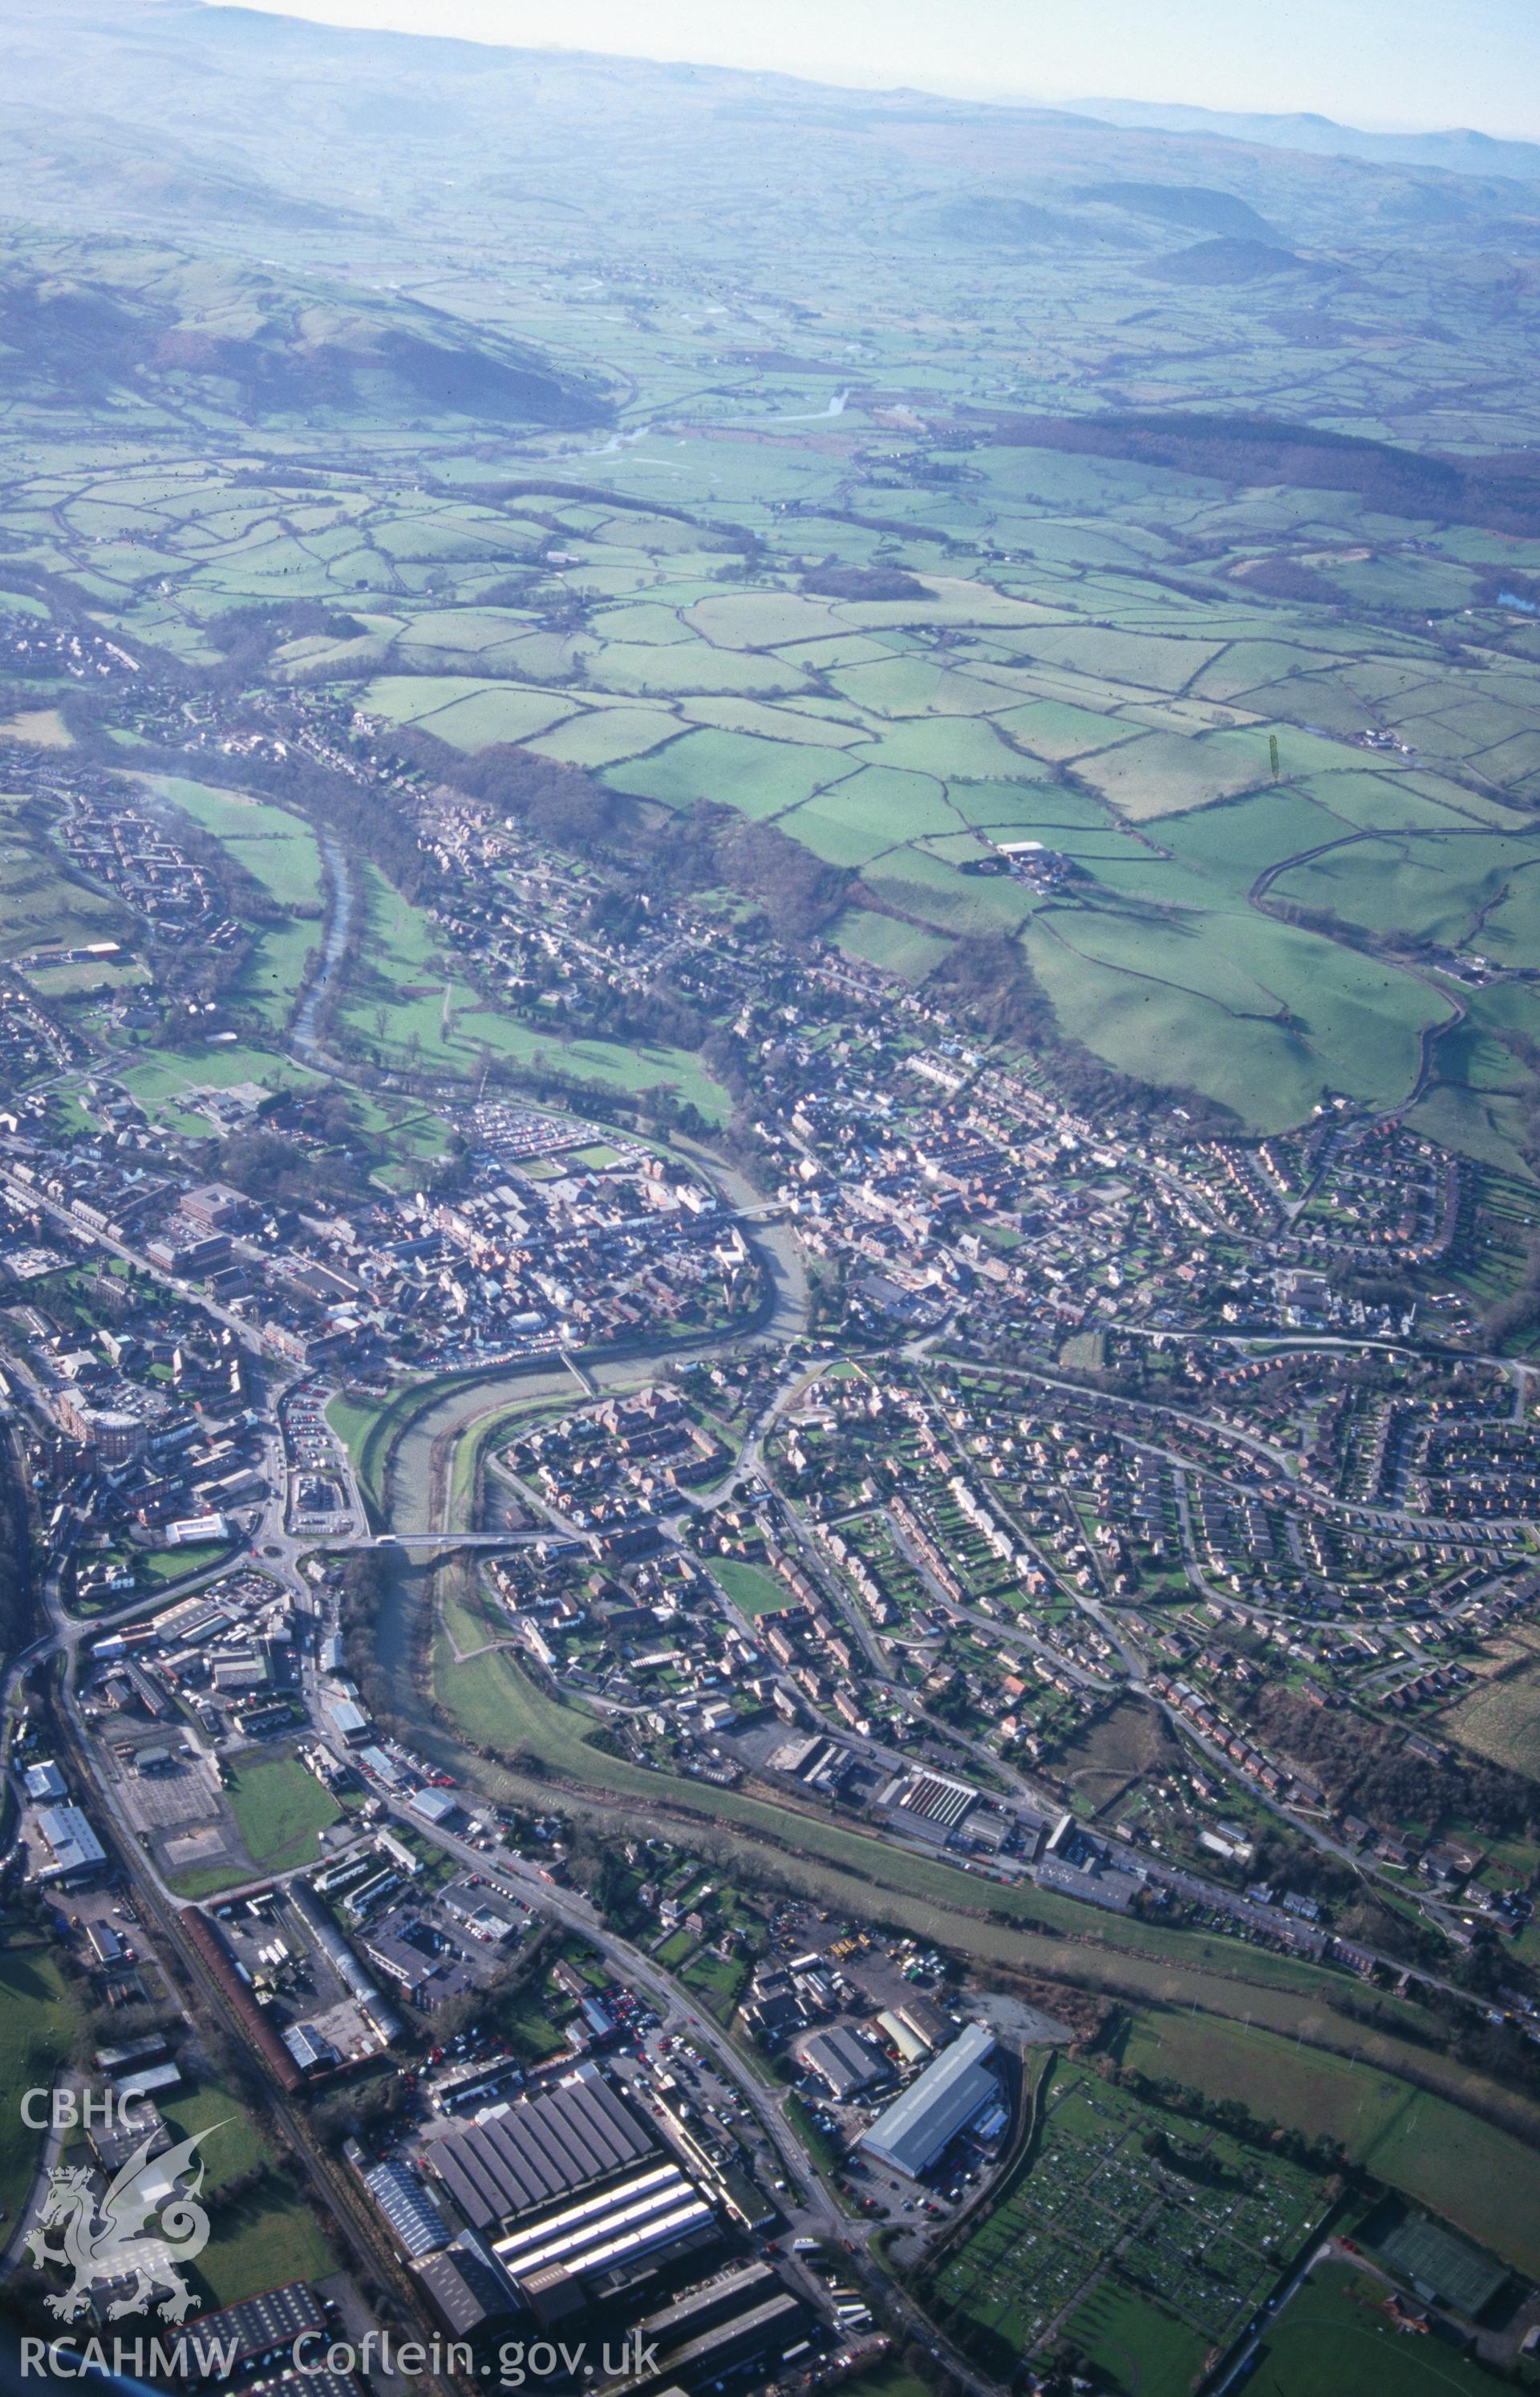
x,y
1429,63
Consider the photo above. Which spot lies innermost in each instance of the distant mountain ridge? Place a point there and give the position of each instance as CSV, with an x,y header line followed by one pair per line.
x,y
1456,152
290,123
562,194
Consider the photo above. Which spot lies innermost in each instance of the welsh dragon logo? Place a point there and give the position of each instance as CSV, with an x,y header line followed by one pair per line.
x,y
106,2241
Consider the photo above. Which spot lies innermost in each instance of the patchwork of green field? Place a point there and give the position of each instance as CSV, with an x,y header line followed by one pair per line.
x,y
1248,1004
1086,653
901,728
1473,2174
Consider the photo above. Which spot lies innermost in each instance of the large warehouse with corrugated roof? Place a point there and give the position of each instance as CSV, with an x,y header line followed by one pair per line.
x,y
949,2094
572,2191
541,2148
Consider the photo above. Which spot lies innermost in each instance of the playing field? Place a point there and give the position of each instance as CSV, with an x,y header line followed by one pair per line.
x,y
280,1810
750,1588
1336,2336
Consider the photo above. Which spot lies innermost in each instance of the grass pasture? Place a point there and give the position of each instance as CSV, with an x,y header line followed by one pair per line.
x,y
467,713
760,778
278,849
752,1590
40,2026
903,949
412,1010
235,2144
1501,1721
1442,2158
41,902
605,736
1164,774
280,1811
260,2241
262,2237
1255,1009
634,668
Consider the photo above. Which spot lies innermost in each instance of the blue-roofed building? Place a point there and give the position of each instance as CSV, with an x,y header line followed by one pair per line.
x,y
349,1720
415,2223
949,2094
73,1845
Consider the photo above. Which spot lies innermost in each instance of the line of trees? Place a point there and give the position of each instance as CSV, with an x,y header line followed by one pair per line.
x,y
1501,493
18,1585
